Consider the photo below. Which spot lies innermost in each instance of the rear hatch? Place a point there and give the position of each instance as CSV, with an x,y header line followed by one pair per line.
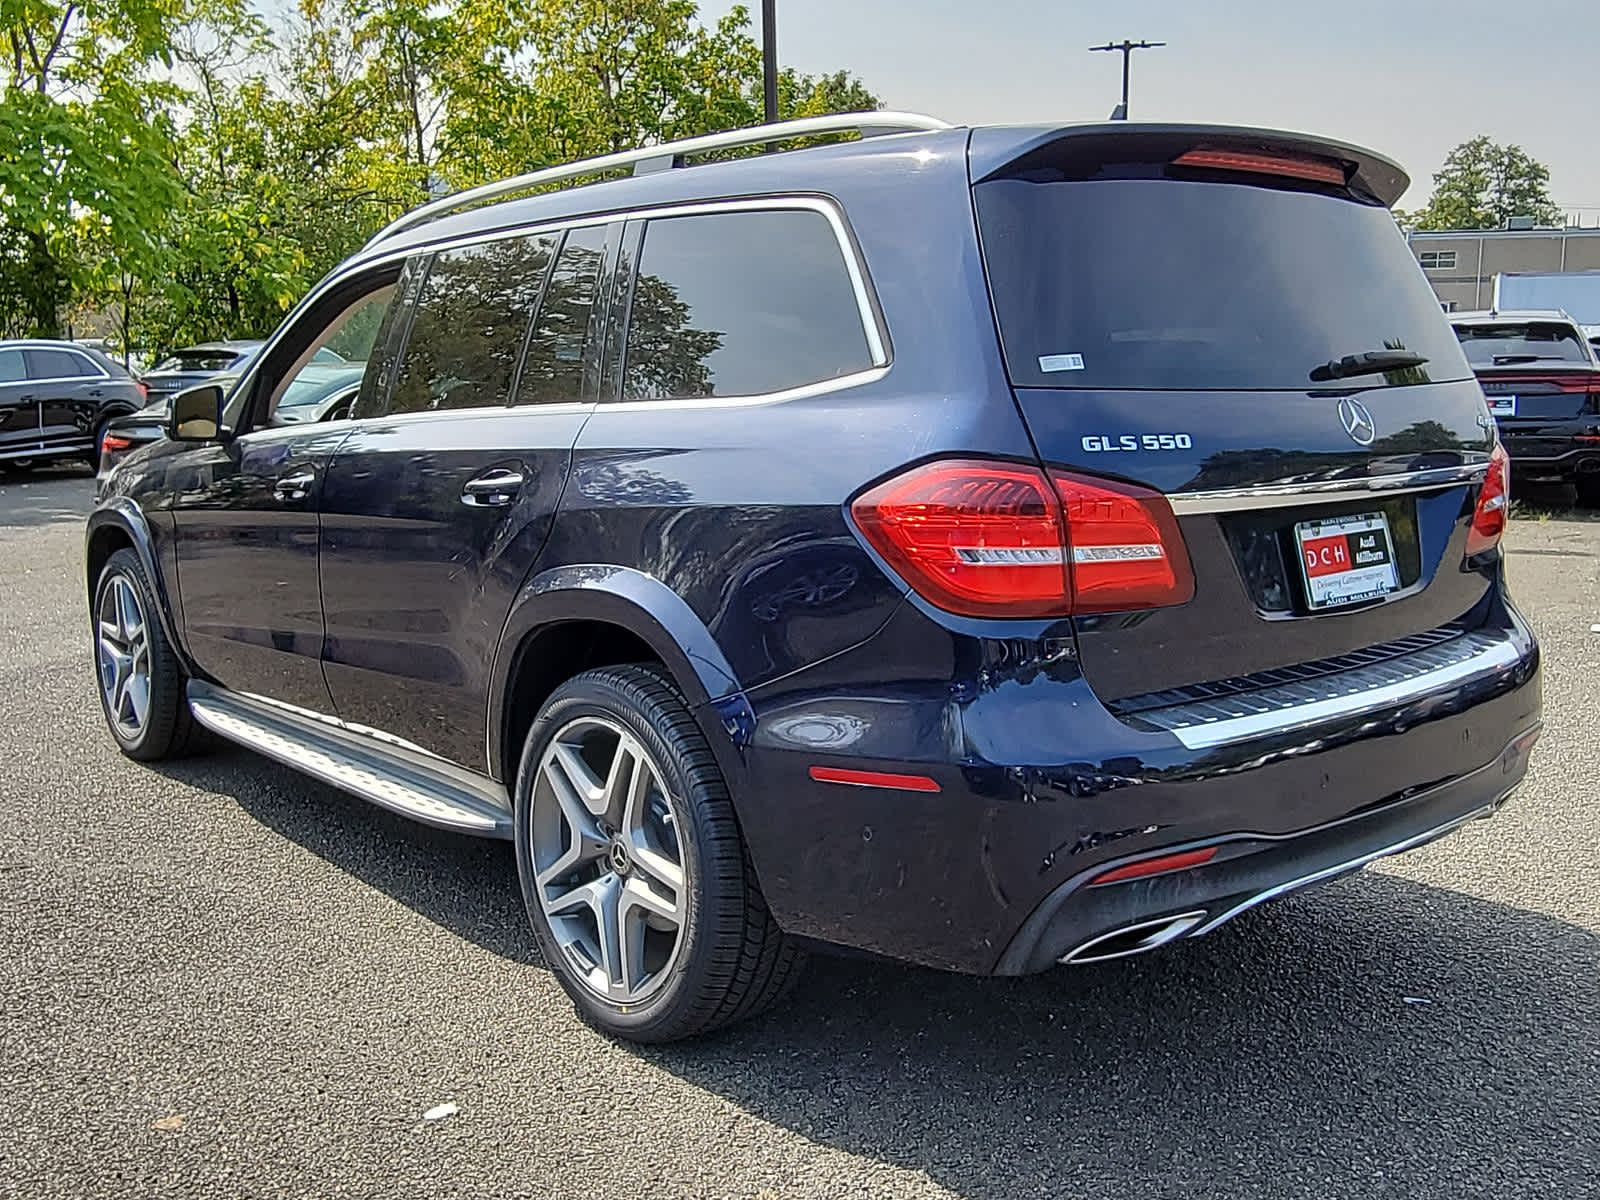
x,y
187,368
1232,318
1540,379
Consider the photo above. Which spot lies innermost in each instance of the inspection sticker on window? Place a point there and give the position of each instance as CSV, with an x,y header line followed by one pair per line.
x,y
1060,362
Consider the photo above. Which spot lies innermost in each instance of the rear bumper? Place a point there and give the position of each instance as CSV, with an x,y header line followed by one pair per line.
x,y
1081,923
1041,789
1553,455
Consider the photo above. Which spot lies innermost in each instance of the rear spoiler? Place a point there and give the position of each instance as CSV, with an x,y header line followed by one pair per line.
x,y
1002,151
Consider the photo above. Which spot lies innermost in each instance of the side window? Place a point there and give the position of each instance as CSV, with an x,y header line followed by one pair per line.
x,y
471,317
740,304
372,398
552,372
11,368
58,364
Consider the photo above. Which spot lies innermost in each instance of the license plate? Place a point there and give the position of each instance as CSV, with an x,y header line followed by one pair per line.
x,y
1346,559
1502,406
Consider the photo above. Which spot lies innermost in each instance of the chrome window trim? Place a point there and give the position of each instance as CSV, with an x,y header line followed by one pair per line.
x,y
1189,504
876,333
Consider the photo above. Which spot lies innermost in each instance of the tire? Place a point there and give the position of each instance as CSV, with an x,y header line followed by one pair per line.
x,y
166,728
729,959
92,457
1588,490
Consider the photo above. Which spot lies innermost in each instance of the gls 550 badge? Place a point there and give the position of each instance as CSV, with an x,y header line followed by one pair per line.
x,y
1104,443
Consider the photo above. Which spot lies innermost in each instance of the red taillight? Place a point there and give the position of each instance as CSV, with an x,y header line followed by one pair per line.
x,y
1316,170
1494,504
112,441
1160,865
996,539
144,388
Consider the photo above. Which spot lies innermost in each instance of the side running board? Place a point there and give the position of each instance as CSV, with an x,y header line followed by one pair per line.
x,y
405,779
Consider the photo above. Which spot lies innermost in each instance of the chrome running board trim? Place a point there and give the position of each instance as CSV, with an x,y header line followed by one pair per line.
x,y
1354,864
411,782
1191,504
1203,724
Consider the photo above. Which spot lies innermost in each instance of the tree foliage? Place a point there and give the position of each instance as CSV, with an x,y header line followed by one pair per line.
x,y
1483,184
190,170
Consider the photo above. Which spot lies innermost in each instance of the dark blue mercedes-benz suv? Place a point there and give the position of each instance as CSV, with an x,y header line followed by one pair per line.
x,y
985,547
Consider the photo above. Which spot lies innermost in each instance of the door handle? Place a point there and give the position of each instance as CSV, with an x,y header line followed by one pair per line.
x,y
294,486
493,488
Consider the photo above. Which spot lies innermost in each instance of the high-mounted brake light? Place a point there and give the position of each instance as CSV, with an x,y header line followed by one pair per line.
x,y
1315,170
1494,504
991,539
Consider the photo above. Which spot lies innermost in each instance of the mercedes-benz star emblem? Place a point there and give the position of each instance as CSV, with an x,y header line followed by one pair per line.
x,y
1357,421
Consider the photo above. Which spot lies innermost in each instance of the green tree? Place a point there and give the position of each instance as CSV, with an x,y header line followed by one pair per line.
x,y
84,134
1483,184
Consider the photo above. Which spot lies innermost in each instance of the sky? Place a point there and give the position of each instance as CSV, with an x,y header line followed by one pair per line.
x,y
1407,78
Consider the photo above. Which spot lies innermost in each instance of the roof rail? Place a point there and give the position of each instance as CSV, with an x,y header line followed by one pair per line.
x,y
666,154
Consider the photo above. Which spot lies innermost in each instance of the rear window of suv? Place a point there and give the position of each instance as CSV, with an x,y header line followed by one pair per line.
x,y
1171,284
1512,343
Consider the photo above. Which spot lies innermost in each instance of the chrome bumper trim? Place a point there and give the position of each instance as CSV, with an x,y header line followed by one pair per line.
x,y
1202,724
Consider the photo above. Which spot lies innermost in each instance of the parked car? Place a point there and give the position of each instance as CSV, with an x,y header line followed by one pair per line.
x,y
55,400
1541,378
985,547
322,392
196,364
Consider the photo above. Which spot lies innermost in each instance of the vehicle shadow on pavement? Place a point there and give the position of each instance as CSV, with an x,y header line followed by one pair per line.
x,y
467,885
47,496
1375,1036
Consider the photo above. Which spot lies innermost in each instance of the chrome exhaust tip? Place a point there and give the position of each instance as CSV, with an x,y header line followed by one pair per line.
x,y
1133,939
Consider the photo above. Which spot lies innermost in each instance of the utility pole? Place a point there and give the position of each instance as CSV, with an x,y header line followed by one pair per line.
x,y
769,59
1120,113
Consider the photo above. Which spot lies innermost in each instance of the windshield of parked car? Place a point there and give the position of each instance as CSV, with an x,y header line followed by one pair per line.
x,y
1173,284
1511,342
199,360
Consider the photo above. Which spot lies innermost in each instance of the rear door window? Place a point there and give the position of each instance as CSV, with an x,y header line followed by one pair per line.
x,y
1517,342
471,318
741,304
1176,284
552,371
59,364
12,369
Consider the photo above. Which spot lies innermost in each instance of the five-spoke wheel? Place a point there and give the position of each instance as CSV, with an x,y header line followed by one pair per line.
x,y
605,848
635,876
123,652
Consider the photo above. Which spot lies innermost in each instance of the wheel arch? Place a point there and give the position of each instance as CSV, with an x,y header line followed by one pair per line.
x,y
572,618
120,524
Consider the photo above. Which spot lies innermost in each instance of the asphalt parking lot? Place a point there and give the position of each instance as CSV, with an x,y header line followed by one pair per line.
x,y
220,978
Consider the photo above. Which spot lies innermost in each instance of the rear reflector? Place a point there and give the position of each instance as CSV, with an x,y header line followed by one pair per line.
x,y
992,539
879,779
1494,504
1315,170
1159,865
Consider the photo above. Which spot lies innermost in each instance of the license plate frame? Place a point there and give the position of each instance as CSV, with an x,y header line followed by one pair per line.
x,y
1345,560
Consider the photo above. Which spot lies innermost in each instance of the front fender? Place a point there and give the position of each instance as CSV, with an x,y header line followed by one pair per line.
x,y
650,610
125,517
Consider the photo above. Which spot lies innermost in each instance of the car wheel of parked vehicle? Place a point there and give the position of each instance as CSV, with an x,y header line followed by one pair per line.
x,y
141,680
1589,490
636,878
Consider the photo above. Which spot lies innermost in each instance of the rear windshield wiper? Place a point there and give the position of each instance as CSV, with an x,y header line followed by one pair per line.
x,y
1373,362
1503,360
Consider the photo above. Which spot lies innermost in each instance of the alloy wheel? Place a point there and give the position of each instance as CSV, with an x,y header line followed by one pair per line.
x,y
607,860
123,654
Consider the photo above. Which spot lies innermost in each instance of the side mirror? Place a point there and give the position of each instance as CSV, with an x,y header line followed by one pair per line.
x,y
196,414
